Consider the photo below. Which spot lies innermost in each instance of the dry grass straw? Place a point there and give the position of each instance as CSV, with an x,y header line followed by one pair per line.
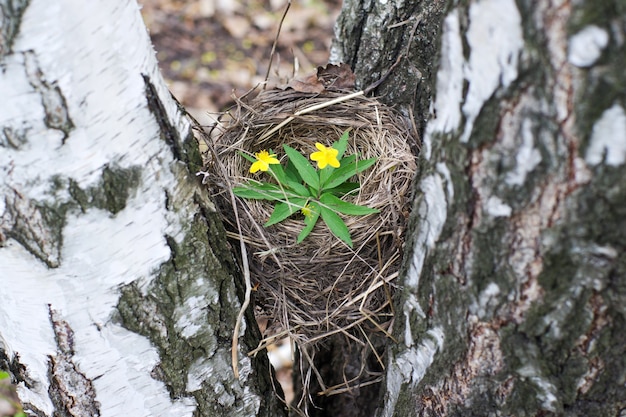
x,y
321,286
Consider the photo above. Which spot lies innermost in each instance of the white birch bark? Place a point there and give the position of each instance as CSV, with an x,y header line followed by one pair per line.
x,y
116,292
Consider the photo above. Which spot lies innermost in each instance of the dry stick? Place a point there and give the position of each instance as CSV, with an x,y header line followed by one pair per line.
x,y
246,272
309,110
346,383
336,391
379,252
280,25
246,300
309,359
244,255
263,344
338,330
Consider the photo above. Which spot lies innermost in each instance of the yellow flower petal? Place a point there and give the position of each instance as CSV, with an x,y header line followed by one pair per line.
x,y
259,166
325,156
263,162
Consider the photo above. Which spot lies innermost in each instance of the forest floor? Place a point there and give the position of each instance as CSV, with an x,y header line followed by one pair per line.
x,y
209,50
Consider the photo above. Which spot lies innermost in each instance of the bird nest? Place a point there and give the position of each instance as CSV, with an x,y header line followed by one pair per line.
x,y
321,286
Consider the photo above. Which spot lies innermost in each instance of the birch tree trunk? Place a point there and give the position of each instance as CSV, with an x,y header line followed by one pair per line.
x,y
513,298
117,288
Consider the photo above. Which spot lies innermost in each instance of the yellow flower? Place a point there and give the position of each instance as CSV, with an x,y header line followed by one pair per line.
x,y
325,156
263,162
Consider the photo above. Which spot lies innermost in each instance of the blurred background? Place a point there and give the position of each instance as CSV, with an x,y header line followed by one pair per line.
x,y
210,49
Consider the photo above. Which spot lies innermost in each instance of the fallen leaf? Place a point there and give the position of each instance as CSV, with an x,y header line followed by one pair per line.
x,y
332,78
310,84
336,77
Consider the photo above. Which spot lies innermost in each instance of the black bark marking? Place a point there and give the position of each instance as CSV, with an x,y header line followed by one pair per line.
x,y
71,392
18,371
168,132
117,183
54,104
36,227
184,149
112,192
11,12
13,138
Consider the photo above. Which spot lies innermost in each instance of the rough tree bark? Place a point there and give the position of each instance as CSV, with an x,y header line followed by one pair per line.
x,y
117,288
513,299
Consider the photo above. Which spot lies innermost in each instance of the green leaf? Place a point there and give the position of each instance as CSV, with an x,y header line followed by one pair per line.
x,y
284,210
343,173
365,164
344,188
348,160
248,157
284,178
336,225
342,144
327,172
300,189
345,207
280,213
262,191
249,193
4,375
279,173
254,193
309,221
305,169
292,172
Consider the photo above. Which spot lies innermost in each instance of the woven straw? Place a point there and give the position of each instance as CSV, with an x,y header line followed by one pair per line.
x,y
321,286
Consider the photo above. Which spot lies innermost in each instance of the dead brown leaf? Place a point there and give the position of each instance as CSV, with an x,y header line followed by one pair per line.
x,y
336,77
331,78
310,84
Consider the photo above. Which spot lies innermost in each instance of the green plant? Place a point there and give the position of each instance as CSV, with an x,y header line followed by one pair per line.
x,y
314,192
